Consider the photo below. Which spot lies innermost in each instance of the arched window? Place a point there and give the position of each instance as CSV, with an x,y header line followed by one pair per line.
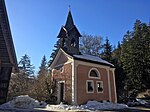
x,y
94,73
73,42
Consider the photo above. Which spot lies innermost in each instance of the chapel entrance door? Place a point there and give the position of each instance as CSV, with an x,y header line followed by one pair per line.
x,y
62,91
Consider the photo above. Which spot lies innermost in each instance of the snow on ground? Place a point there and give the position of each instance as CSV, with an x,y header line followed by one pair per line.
x,y
62,107
91,105
141,101
25,102
94,105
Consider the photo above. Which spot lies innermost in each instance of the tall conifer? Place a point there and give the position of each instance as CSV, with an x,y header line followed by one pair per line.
x,y
107,52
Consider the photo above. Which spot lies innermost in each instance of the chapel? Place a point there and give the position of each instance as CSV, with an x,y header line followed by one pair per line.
x,y
80,77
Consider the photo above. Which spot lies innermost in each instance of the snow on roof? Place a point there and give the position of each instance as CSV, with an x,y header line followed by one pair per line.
x,y
92,58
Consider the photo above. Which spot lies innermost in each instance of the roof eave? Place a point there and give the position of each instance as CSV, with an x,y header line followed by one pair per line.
x,y
91,61
56,56
10,45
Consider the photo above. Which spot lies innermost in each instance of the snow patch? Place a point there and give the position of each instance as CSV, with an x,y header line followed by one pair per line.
x,y
91,105
94,105
23,101
141,101
61,107
26,103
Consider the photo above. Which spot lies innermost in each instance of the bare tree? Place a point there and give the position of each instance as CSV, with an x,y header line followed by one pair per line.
x,y
91,44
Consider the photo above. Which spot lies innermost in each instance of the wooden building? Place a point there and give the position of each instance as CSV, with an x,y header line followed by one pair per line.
x,y
8,61
80,77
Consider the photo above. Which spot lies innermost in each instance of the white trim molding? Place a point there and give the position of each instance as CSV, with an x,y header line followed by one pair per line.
x,y
73,83
109,89
113,71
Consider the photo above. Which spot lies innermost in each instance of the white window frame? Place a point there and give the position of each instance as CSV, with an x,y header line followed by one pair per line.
x,y
87,86
101,87
95,69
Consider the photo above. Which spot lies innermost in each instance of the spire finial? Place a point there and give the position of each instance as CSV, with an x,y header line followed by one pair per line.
x,y
69,7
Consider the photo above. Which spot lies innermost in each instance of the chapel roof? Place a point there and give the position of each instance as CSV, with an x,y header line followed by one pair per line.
x,y
93,59
69,23
69,26
83,57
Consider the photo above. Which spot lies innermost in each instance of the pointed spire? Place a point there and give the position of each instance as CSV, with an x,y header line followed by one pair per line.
x,y
69,22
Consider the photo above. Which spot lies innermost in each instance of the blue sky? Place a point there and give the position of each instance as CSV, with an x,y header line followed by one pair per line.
x,y
35,24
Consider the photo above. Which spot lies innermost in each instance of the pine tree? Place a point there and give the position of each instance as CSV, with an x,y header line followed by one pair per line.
x,y
22,83
26,74
44,84
43,69
107,52
55,50
136,57
119,72
26,67
39,89
141,55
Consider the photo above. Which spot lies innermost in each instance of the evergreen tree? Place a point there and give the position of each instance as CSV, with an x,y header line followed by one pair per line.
x,y
55,50
141,55
43,69
44,84
119,73
116,54
39,86
136,57
107,52
26,67
22,83
132,61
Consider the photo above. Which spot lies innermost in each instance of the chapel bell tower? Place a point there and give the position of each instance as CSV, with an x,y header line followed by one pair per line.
x,y
69,36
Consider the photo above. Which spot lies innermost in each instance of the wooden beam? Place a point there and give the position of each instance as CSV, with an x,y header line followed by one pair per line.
x,y
6,65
